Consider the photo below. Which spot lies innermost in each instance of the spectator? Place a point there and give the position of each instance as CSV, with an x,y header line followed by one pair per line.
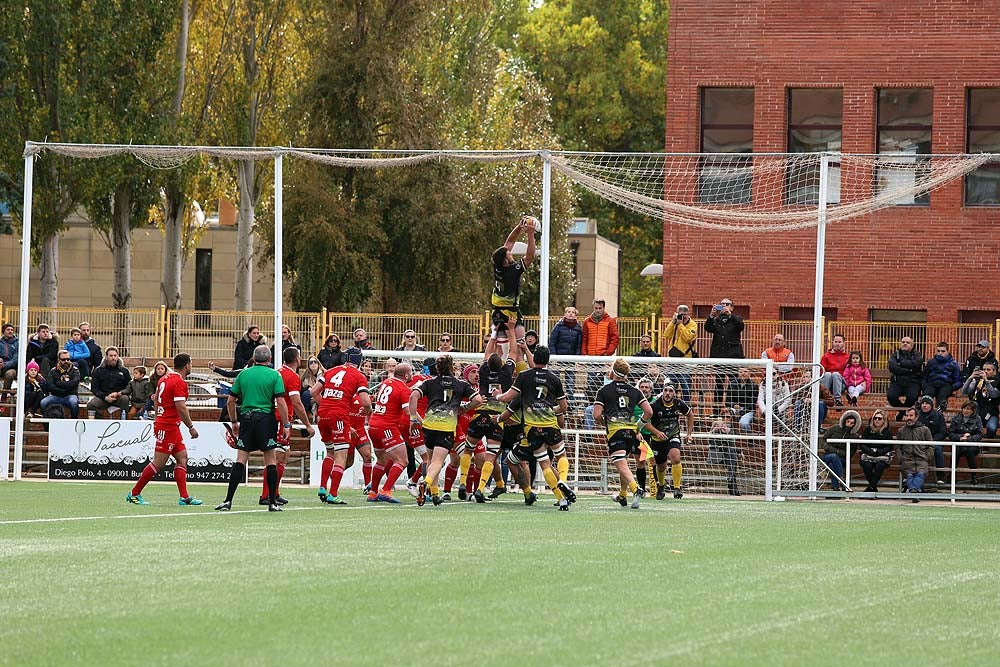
x,y
531,340
8,355
835,453
96,356
724,451
740,398
79,353
108,386
826,402
308,376
782,357
967,427
981,387
646,346
726,329
36,388
409,343
600,333
138,391
160,369
445,346
876,457
243,353
833,363
332,355
361,340
981,356
680,336
782,398
942,376
64,383
857,378
906,367
567,334
287,341
913,458
936,424
43,347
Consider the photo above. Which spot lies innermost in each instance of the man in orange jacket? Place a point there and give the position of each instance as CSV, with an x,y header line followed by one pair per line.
x,y
600,339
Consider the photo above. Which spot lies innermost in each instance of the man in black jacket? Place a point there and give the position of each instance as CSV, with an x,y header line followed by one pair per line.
x,y
981,356
726,329
64,383
107,384
907,368
43,348
96,356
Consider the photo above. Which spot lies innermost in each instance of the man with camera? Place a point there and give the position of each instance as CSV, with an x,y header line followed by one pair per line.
x,y
981,388
726,329
981,356
681,336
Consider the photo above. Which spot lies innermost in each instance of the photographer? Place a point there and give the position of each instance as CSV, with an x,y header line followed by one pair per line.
x,y
980,356
681,335
981,388
726,329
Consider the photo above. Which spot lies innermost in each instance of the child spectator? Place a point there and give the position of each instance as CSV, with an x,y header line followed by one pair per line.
x,y
79,353
139,391
159,370
35,389
857,378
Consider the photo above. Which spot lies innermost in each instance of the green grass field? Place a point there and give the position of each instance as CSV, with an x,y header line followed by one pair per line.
x,y
89,580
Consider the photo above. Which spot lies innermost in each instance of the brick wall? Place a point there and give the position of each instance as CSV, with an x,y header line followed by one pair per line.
x,y
943,258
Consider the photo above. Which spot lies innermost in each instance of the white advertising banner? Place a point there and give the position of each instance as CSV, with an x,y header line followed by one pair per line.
x,y
5,439
353,477
111,449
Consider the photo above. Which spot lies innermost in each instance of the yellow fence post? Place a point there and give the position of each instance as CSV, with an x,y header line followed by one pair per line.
x,y
324,327
164,331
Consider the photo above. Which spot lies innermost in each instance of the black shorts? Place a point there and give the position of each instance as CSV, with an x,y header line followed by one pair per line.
x,y
544,436
522,454
623,441
661,449
482,426
258,432
432,439
503,315
513,435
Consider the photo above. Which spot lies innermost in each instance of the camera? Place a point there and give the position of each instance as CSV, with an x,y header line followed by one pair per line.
x,y
717,307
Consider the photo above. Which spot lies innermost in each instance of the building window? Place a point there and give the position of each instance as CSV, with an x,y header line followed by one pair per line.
x,y
982,187
805,313
815,125
904,131
726,128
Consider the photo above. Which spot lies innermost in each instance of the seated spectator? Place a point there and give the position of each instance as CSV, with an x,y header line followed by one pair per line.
x,y
835,453
857,378
942,376
108,385
826,401
981,387
981,356
64,383
79,353
243,352
361,340
781,355
96,355
934,420
906,368
967,427
724,451
782,398
740,398
308,376
833,363
8,355
36,388
332,355
138,391
445,346
914,459
876,457
646,346
43,348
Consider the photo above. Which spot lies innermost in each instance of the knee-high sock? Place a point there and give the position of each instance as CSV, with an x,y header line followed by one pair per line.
x,y
450,474
485,474
148,473
377,471
675,471
551,479
366,471
326,471
417,474
281,474
390,478
239,471
432,485
474,475
640,475
271,476
335,479
661,475
464,463
180,477
562,466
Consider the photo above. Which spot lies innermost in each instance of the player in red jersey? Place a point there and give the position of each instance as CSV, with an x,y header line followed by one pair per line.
x,y
293,401
335,390
171,409
360,442
388,410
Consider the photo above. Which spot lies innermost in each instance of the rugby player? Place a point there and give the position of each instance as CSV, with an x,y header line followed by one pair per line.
x,y
495,377
668,408
388,409
293,402
507,274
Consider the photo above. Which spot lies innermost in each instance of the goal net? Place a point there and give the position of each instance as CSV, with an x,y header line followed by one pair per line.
x,y
728,398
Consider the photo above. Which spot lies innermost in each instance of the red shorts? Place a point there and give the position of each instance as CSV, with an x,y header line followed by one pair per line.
x,y
413,435
360,436
480,447
335,430
168,439
385,437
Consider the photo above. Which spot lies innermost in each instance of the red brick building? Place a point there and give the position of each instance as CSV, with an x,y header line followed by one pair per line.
x,y
751,75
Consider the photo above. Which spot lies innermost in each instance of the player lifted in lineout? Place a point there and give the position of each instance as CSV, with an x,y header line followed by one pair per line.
x,y
507,275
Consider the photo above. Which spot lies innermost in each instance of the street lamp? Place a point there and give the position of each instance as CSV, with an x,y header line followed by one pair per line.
x,y
652,270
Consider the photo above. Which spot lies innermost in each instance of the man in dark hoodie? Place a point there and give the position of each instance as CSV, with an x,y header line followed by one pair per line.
x,y
43,348
935,422
942,376
8,355
108,384
981,356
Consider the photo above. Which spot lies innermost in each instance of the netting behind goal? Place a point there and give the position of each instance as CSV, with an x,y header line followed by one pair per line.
x,y
729,448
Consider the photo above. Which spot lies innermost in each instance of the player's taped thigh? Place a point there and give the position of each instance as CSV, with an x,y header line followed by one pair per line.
x,y
420,450
337,446
618,455
558,449
513,458
492,447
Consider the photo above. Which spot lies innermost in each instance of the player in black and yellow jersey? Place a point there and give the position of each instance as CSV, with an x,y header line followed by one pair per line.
x,y
614,407
445,394
519,456
507,274
543,402
668,409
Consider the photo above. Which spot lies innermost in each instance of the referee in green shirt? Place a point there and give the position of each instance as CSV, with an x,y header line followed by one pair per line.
x,y
256,387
